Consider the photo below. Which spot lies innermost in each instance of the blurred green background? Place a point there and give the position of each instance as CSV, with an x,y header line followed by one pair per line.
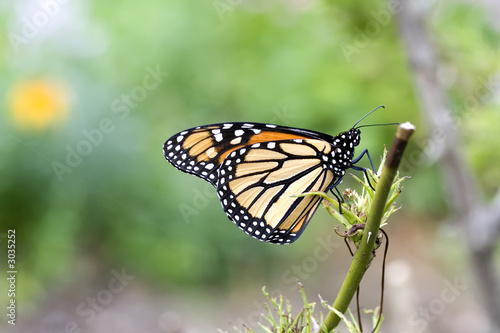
x,y
91,90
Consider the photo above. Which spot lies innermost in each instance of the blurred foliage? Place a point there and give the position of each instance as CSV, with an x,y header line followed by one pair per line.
x,y
90,180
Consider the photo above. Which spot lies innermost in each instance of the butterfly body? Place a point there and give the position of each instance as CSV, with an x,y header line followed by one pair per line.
x,y
258,169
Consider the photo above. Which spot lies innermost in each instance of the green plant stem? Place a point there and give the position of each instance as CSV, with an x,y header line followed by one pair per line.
x,y
363,256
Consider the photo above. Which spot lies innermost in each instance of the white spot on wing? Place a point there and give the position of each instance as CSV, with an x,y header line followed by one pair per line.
x,y
236,141
211,153
218,137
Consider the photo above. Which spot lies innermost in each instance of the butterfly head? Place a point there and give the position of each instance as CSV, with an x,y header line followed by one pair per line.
x,y
354,135
348,140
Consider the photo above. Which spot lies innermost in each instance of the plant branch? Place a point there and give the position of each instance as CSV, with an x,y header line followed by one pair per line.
x,y
363,256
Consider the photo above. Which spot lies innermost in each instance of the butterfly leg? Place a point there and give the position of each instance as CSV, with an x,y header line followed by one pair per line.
x,y
337,194
355,167
356,160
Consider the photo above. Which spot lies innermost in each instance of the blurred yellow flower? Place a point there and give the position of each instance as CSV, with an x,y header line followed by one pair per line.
x,y
38,104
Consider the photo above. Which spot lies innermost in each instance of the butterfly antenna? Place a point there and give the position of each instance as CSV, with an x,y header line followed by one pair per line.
x,y
366,115
386,124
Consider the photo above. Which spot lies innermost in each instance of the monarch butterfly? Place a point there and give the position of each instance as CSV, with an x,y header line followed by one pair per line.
x,y
257,169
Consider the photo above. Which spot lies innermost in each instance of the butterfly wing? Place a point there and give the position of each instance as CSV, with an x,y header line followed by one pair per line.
x,y
257,169
201,150
258,184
